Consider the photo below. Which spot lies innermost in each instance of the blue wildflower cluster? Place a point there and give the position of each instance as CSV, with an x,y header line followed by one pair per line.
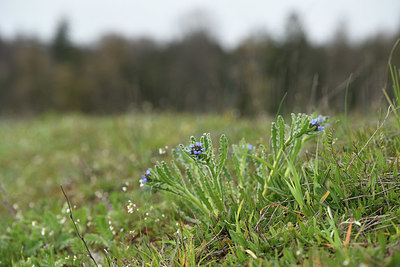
x,y
145,178
250,146
195,149
317,122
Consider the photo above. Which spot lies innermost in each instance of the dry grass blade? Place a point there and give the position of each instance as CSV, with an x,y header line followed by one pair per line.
x,y
279,205
348,235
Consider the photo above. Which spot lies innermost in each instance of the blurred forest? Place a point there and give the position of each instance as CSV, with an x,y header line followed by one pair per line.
x,y
194,73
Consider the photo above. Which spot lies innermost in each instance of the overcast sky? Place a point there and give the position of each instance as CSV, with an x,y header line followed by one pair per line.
x,y
232,20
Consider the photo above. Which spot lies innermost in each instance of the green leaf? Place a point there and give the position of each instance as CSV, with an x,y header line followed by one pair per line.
x,y
166,177
238,215
103,228
274,138
208,147
223,153
238,238
198,190
178,173
212,192
96,239
265,163
281,130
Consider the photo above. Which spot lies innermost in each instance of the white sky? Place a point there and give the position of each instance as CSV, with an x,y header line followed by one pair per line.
x,y
234,19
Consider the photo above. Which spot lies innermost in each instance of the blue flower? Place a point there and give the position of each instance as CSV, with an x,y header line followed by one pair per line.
x,y
249,146
195,149
145,177
317,123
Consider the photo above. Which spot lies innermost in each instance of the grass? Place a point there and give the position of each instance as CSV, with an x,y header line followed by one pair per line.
x,y
318,200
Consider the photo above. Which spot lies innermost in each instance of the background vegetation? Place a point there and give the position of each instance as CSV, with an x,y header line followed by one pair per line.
x,y
193,73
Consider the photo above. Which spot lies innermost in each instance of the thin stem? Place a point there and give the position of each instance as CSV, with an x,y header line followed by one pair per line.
x,y
76,228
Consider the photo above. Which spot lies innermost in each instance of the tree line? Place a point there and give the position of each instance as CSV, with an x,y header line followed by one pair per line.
x,y
194,73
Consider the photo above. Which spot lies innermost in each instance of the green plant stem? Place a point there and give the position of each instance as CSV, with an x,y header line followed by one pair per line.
x,y
212,171
215,180
275,165
197,202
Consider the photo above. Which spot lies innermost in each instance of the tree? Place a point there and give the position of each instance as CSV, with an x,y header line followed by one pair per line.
x,y
61,45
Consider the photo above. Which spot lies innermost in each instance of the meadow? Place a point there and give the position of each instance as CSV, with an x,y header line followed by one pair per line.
x,y
298,190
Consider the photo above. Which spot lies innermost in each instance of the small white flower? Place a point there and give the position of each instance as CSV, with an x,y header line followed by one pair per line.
x,y
43,232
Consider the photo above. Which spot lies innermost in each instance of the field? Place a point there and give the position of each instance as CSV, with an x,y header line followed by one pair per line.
x,y
284,193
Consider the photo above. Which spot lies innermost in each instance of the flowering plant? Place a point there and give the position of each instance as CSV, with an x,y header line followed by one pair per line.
x,y
204,181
